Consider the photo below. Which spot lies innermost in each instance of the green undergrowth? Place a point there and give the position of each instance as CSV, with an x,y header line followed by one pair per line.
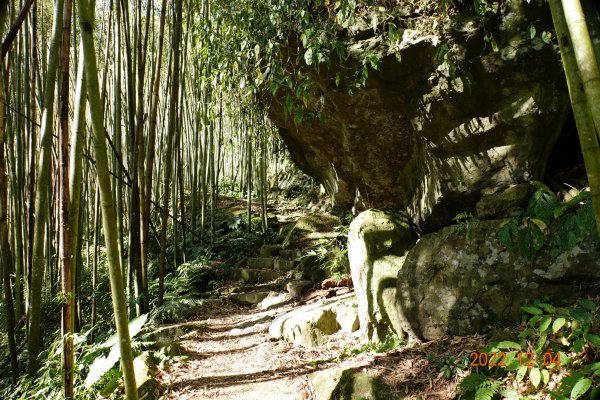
x,y
390,342
448,365
549,222
96,371
183,291
555,353
332,253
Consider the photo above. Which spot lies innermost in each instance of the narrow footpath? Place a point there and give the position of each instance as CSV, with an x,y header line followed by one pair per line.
x,y
230,356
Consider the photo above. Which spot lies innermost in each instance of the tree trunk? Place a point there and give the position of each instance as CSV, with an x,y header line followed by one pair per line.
x,y
173,106
150,155
108,211
5,257
65,253
41,197
580,104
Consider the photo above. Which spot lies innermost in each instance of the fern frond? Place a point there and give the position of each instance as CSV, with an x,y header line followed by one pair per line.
x,y
471,383
487,391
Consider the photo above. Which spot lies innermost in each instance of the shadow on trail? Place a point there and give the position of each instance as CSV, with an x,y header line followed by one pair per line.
x,y
226,337
211,382
208,354
240,325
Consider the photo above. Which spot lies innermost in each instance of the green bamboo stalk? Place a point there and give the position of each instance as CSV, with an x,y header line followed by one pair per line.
x,y
109,219
41,195
584,55
579,102
66,254
173,107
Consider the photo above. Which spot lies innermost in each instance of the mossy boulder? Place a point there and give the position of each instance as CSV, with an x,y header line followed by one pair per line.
x,y
310,228
457,281
463,280
377,242
311,325
503,202
349,384
145,377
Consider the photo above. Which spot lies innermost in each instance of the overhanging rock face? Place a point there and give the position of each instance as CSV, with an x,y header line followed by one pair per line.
x,y
424,139
456,281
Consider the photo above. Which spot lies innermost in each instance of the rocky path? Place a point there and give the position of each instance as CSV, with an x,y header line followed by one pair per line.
x,y
230,356
228,353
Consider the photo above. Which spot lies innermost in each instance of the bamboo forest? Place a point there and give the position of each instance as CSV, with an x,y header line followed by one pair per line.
x,y
300,199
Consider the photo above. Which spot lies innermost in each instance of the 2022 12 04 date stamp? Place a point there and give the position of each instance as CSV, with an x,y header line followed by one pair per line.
x,y
499,359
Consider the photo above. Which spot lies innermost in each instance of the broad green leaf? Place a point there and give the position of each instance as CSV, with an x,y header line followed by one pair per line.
x,y
578,345
539,345
308,56
588,304
511,361
593,339
549,308
526,333
532,31
103,364
508,345
591,367
558,324
558,396
535,376
545,376
547,37
531,310
580,388
544,324
521,371
135,326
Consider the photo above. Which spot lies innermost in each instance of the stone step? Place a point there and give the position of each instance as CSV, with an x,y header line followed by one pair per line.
x,y
275,299
291,253
297,288
294,290
269,250
282,264
249,288
250,275
260,262
249,298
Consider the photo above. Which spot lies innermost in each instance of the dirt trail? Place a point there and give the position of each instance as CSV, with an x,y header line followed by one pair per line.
x,y
232,357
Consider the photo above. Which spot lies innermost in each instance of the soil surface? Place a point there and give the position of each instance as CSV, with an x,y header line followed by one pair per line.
x,y
228,354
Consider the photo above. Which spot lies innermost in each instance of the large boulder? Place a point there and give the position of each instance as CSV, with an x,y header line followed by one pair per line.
x,y
460,281
145,377
310,228
377,242
454,117
311,325
349,384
